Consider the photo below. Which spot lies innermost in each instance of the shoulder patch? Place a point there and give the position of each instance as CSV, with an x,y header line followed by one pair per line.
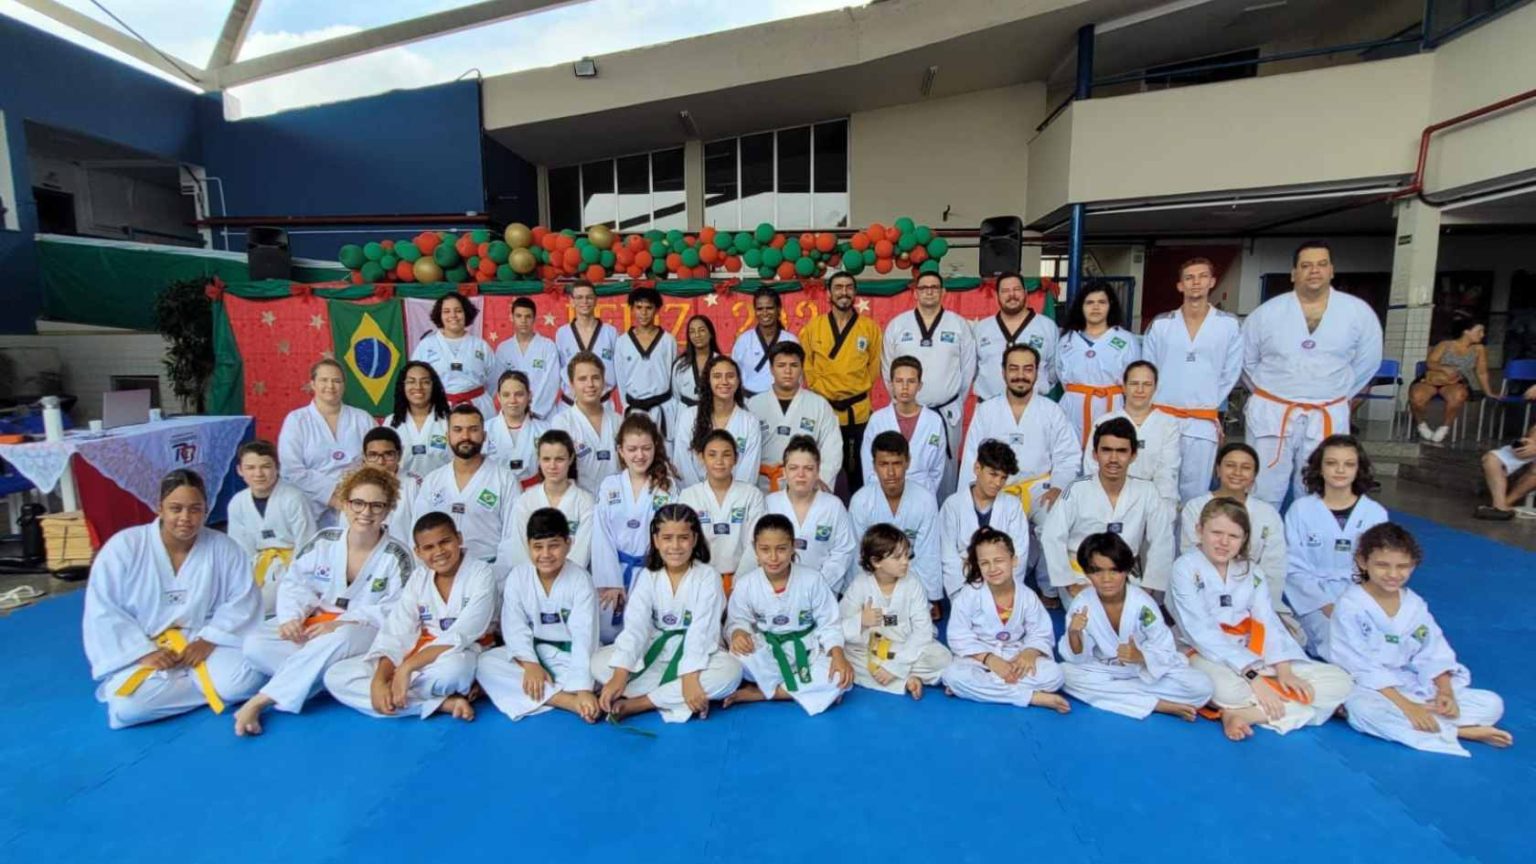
x,y
327,534
402,557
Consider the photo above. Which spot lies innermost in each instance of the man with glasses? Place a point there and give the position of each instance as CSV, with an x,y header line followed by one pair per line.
x,y
383,449
476,492
944,344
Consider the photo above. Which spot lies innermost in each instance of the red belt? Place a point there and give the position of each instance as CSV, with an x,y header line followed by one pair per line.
x,y
457,399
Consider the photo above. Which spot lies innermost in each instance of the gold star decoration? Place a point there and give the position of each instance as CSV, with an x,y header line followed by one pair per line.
x,y
259,388
268,318
862,305
316,321
491,336
549,319
283,347
329,355
711,300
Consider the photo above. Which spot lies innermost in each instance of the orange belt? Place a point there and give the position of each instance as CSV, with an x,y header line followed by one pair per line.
x,y
321,618
1292,407
457,399
1090,393
1191,413
1254,630
775,475
725,580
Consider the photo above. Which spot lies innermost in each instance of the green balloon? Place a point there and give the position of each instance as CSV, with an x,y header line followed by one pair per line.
x,y
373,251
658,250
607,259
805,267
853,261
351,256
569,232
765,272
653,235
590,254
480,235
498,251
929,266
936,248
675,239
372,272
446,256
407,251
504,273
764,232
791,250
752,258
923,234
690,257
907,243
772,258
388,261
659,267
904,225
744,241
472,263
456,276
449,238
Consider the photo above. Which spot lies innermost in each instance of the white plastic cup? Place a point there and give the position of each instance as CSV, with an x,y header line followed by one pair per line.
x,y
154,415
95,427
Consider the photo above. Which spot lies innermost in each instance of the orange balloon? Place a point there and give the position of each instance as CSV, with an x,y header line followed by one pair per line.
x,y
636,243
624,258
859,241
634,271
732,264
357,277
465,246
884,249
405,271
707,234
807,241
564,241
487,266
826,241
570,258
547,241
786,270
903,261
388,245
701,272
876,232
643,259
483,249
884,265
777,242
482,276
428,241
674,261
690,241
708,253
539,232
918,255
595,273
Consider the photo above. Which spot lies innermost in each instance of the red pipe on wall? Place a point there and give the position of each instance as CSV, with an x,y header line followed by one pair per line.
x,y
1417,186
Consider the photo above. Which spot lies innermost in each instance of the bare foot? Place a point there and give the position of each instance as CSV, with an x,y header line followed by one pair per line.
x,y
458,707
1236,726
915,687
248,718
1051,700
1177,709
1493,736
745,693
948,692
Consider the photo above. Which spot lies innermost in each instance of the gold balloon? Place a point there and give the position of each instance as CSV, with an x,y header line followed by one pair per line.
x,y
522,261
518,236
600,236
426,270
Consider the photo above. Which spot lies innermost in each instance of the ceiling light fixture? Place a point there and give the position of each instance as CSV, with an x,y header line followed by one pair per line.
x,y
586,67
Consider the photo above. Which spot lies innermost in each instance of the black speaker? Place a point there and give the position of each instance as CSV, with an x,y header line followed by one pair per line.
x,y
267,256
1002,245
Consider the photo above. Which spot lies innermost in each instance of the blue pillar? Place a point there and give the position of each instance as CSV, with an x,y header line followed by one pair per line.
x,y
1084,62
1075,254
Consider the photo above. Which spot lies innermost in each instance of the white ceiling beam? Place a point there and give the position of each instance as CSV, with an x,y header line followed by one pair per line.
x,y
376,39
236,27
114,38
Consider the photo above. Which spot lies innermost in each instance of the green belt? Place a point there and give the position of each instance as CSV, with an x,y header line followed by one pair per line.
x,y
558,645
670,674
802,656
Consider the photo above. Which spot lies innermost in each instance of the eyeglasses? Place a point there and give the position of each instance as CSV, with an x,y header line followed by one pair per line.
x,y
358,505
376,458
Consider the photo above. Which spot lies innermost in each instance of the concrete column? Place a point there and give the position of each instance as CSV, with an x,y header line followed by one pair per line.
x,y
1413,290
543,187
693,182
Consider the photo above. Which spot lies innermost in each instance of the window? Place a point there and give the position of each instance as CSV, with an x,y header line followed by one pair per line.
x,y
631,193
793,178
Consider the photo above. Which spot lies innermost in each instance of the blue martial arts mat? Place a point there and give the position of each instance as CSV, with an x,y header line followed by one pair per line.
x,y
876,778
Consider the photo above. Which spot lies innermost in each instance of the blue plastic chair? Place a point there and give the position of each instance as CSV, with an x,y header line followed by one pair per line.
x,y
1522,371
1389,375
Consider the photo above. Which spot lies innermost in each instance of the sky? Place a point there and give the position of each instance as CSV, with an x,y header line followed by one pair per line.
x,y
188,29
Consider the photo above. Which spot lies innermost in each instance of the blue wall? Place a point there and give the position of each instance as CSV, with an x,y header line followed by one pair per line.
x,y
48,80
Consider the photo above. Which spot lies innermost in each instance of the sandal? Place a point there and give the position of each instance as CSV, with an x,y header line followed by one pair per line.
x,y
1493,514
19,596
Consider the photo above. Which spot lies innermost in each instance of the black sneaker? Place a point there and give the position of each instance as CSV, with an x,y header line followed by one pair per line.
x,y
1493,514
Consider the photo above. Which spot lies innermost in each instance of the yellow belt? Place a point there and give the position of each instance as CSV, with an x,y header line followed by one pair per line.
x,y
879,649
264,561
1021,489
175,641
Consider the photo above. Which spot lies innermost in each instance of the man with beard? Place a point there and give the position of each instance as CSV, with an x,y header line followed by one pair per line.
x,y
842,358
1035,429
943,343
1014,324
1115,502
476,492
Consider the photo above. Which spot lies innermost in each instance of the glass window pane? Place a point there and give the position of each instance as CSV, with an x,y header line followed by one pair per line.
x,y
756,180
831,210
564,198
669,204
794,178
599,206
831,157
634,192
720,184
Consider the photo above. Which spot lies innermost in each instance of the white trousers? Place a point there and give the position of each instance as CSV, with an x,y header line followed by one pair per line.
x,y
1197,464
176,691
719,679
351,682
929,665
815,695
501,677
1315,625
1330,687
298,671
1374,714
1110,689
967,678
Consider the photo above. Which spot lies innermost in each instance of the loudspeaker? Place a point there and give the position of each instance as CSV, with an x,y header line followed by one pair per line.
x,y
267,256
1002,245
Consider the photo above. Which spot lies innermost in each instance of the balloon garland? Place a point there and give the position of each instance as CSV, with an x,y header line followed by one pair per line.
x,y
601,253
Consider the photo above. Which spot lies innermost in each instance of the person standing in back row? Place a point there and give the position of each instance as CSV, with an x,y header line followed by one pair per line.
x,y
842,358
752,348
1305,353
1014,324
943,343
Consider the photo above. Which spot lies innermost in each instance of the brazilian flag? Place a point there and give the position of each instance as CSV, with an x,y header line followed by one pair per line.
x,y
369,341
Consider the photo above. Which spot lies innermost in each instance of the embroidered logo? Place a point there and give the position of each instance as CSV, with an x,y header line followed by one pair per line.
x,y
1392,638
823,533
806,619
1421,633
378,584
738,514
948,336
933,440
1036,342
659,501
861,343
780,620
1309,344
538,364
549,618
439,442
1147,617
807,425
1117,343
488,499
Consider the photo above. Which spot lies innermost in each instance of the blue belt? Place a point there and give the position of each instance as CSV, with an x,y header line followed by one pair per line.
x,y
631,564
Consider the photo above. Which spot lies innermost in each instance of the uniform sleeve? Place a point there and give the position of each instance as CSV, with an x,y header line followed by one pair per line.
x,y
678,449
973,436
703,636
1436,657
1279,645
1039,633
239,530
952,563
1064,644
474,620
829,439
834,568
851,610
1066,452
606,572
887,341
1187,519
113,639
738,615
1349,632
1166,478
829,624
398,635
1276,551
1367,360
926,556
1152,345
629,648
1053,541
581,543
1301,577
290,454
1200,628
1155,641
866,454
959,631
511,490
811,341
239,603
917,642
967,360
516,627
751,457
584,630
1015,523
1231,366
1158,557
296,596
1253,345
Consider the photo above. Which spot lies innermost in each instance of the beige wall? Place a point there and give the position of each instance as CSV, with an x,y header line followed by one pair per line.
x,y
967,153
1483,66
87,361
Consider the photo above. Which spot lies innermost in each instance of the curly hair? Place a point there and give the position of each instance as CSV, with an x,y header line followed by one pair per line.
x,y
660,474
1312,474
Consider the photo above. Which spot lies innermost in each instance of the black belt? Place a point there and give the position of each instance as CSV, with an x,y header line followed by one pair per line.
x,y
644,404
847,405
691,403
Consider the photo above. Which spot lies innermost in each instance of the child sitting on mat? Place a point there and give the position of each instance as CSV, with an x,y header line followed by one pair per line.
x,y
887,627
